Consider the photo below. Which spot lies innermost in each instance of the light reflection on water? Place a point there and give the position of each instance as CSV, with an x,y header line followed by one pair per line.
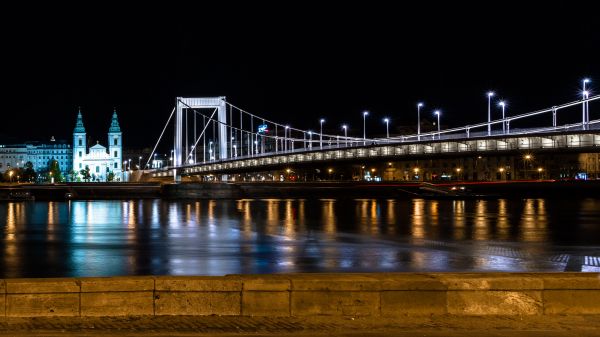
x,y
217,237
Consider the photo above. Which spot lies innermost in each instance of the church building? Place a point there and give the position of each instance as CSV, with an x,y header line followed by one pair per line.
x,y
100,160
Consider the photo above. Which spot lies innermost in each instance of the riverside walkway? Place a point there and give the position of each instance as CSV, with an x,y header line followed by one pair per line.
x,y
434,326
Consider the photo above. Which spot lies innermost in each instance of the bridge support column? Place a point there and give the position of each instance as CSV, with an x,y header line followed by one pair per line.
x,y
218,103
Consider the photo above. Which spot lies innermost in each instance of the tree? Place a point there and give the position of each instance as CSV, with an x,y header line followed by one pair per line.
x,y
72,174
29,173
111,176
85,173
54,171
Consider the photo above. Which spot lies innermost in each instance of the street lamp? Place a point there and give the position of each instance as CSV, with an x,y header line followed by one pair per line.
x,y
419,106
140,161
490,94
310,139
210,151
458,169
526,163
585,116
129,164
285,137
321,134
437,113
234,150
10,173
585,111
365,113
345,127
503,104
387,127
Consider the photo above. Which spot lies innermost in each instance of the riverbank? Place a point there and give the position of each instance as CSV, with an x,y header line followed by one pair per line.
x,y
304,295
236,190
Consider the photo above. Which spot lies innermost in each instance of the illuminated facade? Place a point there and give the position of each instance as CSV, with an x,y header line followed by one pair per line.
x,y
40,154
100,160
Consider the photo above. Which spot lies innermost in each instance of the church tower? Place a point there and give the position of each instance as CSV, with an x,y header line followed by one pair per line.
x,y
79,144
115,145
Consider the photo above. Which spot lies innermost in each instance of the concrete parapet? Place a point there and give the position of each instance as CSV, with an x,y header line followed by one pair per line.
x,y
375,295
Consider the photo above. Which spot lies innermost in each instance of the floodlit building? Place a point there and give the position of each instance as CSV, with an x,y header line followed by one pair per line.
x,y
40,154
98,159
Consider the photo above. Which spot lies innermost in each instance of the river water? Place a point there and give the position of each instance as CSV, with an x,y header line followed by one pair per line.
x,y
218,237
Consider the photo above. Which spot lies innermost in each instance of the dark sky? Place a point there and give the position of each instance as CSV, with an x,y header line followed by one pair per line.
x,y
294,64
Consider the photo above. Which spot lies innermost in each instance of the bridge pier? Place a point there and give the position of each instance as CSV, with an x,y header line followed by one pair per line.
x,y
182,103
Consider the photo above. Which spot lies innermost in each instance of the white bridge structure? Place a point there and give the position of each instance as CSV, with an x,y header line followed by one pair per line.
x,y
213,136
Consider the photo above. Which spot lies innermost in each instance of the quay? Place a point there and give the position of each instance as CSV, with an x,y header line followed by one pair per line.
x,y
377,304
235,190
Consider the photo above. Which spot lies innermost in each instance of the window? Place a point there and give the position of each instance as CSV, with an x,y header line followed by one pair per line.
x,y
97,169
115,141
115,165
115,154
79,165
79,154
80,142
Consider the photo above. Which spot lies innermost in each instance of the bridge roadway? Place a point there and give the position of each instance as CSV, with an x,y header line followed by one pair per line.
x,y
567,138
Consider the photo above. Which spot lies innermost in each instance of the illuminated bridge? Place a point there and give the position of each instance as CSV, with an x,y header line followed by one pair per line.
x,y
214,137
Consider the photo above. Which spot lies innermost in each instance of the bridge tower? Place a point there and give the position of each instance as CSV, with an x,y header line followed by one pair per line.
x,y
218,103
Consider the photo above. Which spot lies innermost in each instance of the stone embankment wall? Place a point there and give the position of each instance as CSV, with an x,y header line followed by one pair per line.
x,y
376,295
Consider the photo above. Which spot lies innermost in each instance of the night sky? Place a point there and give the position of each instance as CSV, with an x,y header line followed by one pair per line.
x,y
293,64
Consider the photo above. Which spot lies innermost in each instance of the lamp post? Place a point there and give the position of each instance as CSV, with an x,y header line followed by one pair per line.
x,y
345,127
365,113
129,163
321,133
526,164
585,112
210,151
503,104
387,127
10,173
285,137
419,106
490,94
140,161
310,139
234,150
585,116
437,112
